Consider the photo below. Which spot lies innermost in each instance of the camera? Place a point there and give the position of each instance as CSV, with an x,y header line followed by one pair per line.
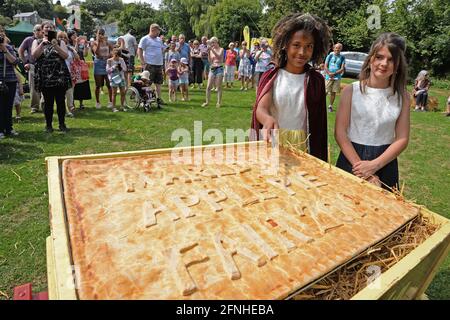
x,y
3,88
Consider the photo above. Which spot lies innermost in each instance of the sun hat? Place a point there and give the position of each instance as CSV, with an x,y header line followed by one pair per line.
x,y
145,75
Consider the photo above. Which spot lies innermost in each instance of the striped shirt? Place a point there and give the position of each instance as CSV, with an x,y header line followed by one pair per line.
x,y
10,75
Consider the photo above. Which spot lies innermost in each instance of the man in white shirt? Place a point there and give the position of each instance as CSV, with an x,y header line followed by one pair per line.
x,y
151,54
132,46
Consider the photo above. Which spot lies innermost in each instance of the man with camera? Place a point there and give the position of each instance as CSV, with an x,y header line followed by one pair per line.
x,y
27,58
8,83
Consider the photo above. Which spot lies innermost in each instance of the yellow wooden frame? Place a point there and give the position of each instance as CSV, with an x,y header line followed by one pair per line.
x,y
407,279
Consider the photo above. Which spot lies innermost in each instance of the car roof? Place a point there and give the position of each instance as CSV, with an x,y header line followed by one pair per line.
x,y
353,52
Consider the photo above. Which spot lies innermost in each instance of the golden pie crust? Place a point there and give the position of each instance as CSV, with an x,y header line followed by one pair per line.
x,y
145,228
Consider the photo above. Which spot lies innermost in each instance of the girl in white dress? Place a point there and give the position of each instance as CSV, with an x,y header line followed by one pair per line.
x,y
245,66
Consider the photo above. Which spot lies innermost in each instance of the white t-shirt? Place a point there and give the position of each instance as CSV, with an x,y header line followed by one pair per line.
x,y
130,43
153,50
289,100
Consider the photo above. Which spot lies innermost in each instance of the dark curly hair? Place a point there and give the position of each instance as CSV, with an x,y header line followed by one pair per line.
x,y
290,24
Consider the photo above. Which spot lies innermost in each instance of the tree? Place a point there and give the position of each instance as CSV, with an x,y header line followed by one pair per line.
x,y
199,15
138,16
330,11
176,18
112,16
5,21
11,7
229,17
87,23
425,25
60,12
99,8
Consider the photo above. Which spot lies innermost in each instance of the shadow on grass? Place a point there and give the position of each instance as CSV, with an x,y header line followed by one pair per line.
x,y
439,287
12,152
27,146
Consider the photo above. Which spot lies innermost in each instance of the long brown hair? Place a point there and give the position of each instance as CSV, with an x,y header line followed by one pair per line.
x,y
287,26
396,46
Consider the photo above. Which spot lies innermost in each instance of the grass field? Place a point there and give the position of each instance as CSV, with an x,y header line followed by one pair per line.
x,y
24,222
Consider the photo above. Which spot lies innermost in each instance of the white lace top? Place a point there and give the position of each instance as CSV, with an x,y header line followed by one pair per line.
x,y
373,116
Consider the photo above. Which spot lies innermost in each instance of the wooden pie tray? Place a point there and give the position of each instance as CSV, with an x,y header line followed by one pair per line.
x,y
139,226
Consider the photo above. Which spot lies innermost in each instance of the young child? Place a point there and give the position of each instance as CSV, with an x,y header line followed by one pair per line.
x,y
172,73
183,73
19,97
116,69
292,95
372,122
143,85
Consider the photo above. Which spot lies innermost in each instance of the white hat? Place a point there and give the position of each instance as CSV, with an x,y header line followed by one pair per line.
x,y
184,61
145,75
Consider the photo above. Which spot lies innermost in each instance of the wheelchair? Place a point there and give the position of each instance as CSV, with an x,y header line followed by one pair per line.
x,y
140,99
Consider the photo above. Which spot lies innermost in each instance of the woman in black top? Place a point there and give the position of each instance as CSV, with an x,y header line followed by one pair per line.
x,y
8,83
197,65
52,76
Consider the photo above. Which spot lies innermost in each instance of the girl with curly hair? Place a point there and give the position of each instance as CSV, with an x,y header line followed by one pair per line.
x,y
292,94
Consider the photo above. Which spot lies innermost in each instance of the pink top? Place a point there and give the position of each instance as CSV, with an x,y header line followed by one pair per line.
x,y
231,58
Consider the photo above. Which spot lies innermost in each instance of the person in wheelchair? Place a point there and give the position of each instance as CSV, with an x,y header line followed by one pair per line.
x,y
143,85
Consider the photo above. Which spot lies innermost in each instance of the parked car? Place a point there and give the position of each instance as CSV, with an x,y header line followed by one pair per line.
x,y
353,62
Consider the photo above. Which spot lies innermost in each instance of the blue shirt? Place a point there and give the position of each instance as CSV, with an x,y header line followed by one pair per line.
x,y
10,75
334,63
185,50
172,55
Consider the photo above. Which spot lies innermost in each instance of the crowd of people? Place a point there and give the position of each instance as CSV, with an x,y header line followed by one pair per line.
x,y
290,90
54,63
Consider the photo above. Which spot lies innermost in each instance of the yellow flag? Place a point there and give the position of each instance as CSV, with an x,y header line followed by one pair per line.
x,y
247,34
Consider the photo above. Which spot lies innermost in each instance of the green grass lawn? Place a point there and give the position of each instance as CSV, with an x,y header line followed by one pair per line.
x,y
24,222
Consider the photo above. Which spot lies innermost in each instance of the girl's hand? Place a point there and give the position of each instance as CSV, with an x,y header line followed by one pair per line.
x,y
269,125
54,42
365,169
